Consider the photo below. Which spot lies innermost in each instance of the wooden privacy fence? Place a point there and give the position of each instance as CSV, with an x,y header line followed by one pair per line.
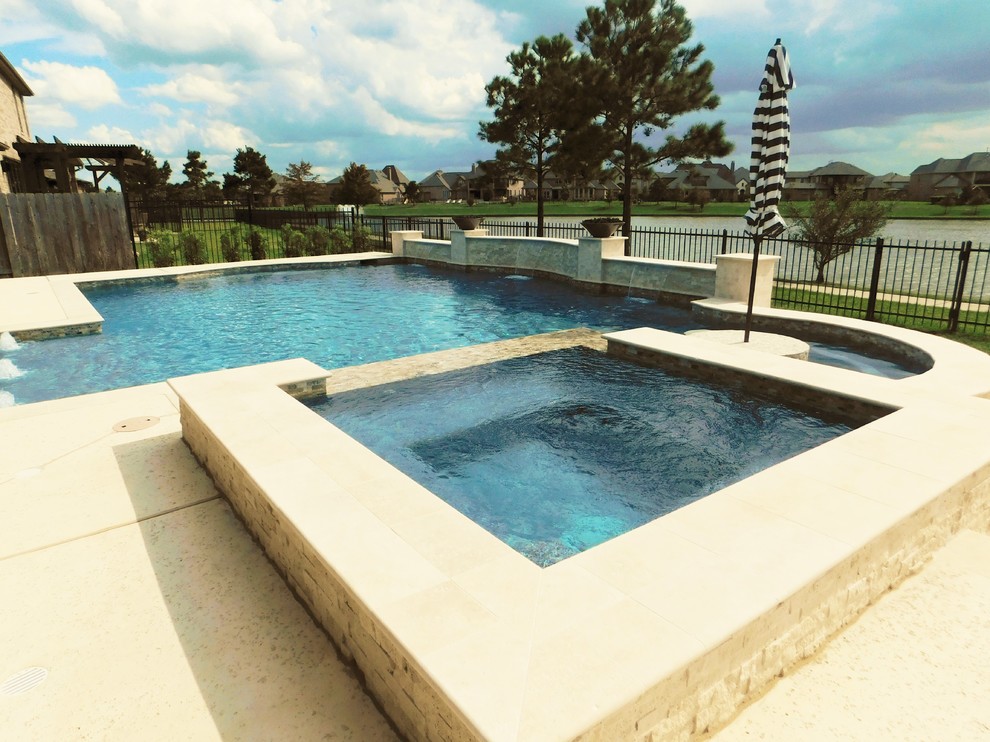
x,y
46,233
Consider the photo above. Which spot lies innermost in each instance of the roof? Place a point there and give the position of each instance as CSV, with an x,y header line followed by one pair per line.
x,y
395,175
436,179
12,77
838,168
975,162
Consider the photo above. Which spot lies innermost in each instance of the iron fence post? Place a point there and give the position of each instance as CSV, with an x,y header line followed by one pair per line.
x,y
725,241
871,304
960,287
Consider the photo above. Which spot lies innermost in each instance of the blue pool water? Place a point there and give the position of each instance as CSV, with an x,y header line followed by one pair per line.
x,y
558,452
333,317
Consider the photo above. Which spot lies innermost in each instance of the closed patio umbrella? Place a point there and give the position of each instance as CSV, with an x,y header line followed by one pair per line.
x,y
768,166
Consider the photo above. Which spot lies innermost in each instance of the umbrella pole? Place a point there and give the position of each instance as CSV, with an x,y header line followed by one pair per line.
x,y
752,288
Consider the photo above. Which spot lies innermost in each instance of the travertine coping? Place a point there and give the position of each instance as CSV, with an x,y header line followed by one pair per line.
x,y
664,630
764,342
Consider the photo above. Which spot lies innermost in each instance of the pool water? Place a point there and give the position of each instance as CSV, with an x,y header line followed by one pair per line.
x,y
558,452
333,317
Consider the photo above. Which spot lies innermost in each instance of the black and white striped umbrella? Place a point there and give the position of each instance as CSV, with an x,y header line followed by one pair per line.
x,y
771,148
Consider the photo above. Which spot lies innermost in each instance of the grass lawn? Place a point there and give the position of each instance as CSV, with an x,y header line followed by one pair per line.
x,y
899,209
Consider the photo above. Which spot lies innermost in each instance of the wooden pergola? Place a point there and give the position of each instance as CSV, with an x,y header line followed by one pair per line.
x,y
64,159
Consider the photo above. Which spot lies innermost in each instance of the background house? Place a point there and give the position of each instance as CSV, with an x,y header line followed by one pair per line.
x,y
13,124
950,177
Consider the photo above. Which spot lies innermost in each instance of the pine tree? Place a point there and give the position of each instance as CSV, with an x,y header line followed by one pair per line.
x,y
643,76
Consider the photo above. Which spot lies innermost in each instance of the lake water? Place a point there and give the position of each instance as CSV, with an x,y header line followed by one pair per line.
x,y
896,230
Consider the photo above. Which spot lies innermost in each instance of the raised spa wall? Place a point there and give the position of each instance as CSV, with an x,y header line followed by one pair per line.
x,y
596,264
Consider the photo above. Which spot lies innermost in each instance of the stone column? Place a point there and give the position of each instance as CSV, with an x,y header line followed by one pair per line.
x,y
591,252
733,272
458,244
399,237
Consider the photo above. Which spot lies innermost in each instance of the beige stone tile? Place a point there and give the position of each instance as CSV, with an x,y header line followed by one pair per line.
x,y
937,458
450,540
892,485
641,556
843,515
568,595
485,675
593,668
508,586
393,497
435,617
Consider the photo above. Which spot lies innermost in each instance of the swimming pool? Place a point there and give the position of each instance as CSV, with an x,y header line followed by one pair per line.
x,y
333,317
558,452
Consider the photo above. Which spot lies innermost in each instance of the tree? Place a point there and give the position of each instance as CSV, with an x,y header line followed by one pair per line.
x,y
699,197
832,226
194,170
355,187
532,109
495,172
146,180
413,192
251,174
301,186
643,77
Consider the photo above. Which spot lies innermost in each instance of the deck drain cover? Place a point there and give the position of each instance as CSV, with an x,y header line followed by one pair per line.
x,y
135,423
23,681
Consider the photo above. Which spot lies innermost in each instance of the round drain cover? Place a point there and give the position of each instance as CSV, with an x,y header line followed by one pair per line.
x,y
135,423
23,681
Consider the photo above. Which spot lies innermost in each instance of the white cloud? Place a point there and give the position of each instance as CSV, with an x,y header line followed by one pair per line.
x,y
86,87
48,116
100,14
226,136
951,138
208,86
392,125
103,134
725,8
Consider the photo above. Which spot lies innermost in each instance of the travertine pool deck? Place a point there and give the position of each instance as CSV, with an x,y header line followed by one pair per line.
x,y
159,617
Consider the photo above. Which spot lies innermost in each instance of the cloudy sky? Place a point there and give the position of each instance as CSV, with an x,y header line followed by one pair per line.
x,y
886,85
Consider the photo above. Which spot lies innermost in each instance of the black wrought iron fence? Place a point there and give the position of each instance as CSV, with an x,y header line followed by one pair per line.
x,y
930,285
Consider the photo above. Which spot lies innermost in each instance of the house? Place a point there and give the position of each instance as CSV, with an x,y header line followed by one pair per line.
x,y
803,185
950,177
390,184
13,124
471,184
436,187
887,187
720,181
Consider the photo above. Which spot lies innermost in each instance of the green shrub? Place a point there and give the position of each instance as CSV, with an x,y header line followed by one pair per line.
x,y
363,240
294,242
318,239
340,241
161,248
257,244
192,248
231,243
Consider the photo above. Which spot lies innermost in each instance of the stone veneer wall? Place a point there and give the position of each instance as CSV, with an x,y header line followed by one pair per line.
x,y
708,693
62,331
820,402
412,703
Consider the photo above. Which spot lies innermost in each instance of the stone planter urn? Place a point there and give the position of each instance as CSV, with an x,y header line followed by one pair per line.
x,y
467,222
601,227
